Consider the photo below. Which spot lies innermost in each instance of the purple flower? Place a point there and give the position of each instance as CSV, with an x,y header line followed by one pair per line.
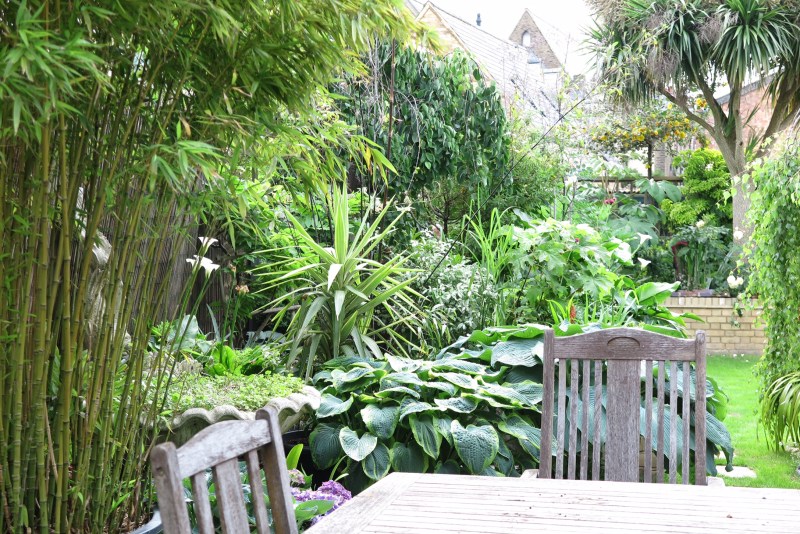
x,y
296,478
329,491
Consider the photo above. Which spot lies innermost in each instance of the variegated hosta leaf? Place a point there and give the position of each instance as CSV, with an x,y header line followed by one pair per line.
x,y
529,436
400,379
377,464
408,406
423,426
399,391
381,420
477,446
342,380
457,404
330,405
462,366
403,365
354,446
446,387
460,380
505,394
525,352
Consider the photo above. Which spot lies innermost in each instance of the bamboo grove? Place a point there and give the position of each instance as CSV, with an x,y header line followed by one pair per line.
x,y
114,118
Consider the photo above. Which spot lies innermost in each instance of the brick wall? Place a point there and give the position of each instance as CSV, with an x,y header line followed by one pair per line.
x,y
726,332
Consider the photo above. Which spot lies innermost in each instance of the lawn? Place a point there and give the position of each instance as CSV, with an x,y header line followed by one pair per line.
x,y
774,470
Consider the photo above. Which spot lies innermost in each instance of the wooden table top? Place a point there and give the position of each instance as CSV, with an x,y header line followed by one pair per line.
x,y
413,503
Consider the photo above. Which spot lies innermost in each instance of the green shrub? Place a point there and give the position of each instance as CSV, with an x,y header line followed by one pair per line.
x,y
248,393
775,257
474,409
706,187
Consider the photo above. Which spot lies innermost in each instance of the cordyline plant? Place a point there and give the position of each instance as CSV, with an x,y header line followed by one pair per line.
x,y
341,289
102,109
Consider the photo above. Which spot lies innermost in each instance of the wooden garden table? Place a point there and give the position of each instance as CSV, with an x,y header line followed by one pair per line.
x,y
410,503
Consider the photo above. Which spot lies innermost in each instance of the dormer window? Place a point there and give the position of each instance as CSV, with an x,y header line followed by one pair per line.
x,y
526,39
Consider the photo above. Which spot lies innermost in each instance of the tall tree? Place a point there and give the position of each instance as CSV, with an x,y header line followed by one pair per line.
x,y
685,48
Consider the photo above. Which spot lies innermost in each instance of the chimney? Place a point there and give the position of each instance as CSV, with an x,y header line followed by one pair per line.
x,y
478,20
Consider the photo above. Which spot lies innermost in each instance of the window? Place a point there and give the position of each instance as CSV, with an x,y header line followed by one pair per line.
x,y
526,39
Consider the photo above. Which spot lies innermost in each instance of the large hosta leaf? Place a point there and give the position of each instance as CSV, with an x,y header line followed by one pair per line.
x,y
400,379
460,380
477,446
408,458
408,406
530,391
505,394
325,446
424,427
403,365
330,405
399,391
445,387
530,437
457,404
525,352
380,420
356,447
377,463
462,366
352,378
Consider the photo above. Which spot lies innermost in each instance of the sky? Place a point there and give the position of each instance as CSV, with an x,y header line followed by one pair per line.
x,y
566,19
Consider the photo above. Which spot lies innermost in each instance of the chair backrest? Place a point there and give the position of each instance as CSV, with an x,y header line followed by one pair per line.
x,y
220,447
627,357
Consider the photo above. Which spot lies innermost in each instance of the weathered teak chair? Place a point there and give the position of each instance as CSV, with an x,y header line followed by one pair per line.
x,y
219,447
625,355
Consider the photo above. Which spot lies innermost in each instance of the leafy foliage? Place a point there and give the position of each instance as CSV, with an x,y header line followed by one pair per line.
x,y
247,393
112,117
780,410
444,122
339,289
774,258
474,409
706,190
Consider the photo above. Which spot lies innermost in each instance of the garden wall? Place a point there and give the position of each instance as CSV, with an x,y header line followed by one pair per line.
x,y
726,331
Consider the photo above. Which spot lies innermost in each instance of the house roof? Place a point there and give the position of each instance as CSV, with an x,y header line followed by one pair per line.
x,y
503,61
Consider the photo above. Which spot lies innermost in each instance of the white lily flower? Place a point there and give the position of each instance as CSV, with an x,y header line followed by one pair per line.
x,y
206,242
643,262
643,238
201,261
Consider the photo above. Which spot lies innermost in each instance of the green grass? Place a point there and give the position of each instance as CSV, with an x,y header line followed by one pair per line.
x,y
774,469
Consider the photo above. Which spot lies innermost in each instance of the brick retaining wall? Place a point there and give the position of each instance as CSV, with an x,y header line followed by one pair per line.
x,y
726,332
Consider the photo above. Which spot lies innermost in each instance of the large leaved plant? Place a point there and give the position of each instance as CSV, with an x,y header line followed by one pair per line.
x,y
338,290
475,409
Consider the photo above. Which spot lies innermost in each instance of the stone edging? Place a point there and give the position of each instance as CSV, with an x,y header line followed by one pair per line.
x,y
290,410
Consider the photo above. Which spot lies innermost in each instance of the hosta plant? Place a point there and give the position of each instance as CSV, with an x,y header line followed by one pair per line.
x,y
474,409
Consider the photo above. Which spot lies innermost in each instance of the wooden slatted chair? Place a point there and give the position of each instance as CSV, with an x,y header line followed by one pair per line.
x,y
627,357
220,447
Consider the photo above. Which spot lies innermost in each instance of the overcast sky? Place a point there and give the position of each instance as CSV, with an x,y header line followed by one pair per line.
x,y
566,18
